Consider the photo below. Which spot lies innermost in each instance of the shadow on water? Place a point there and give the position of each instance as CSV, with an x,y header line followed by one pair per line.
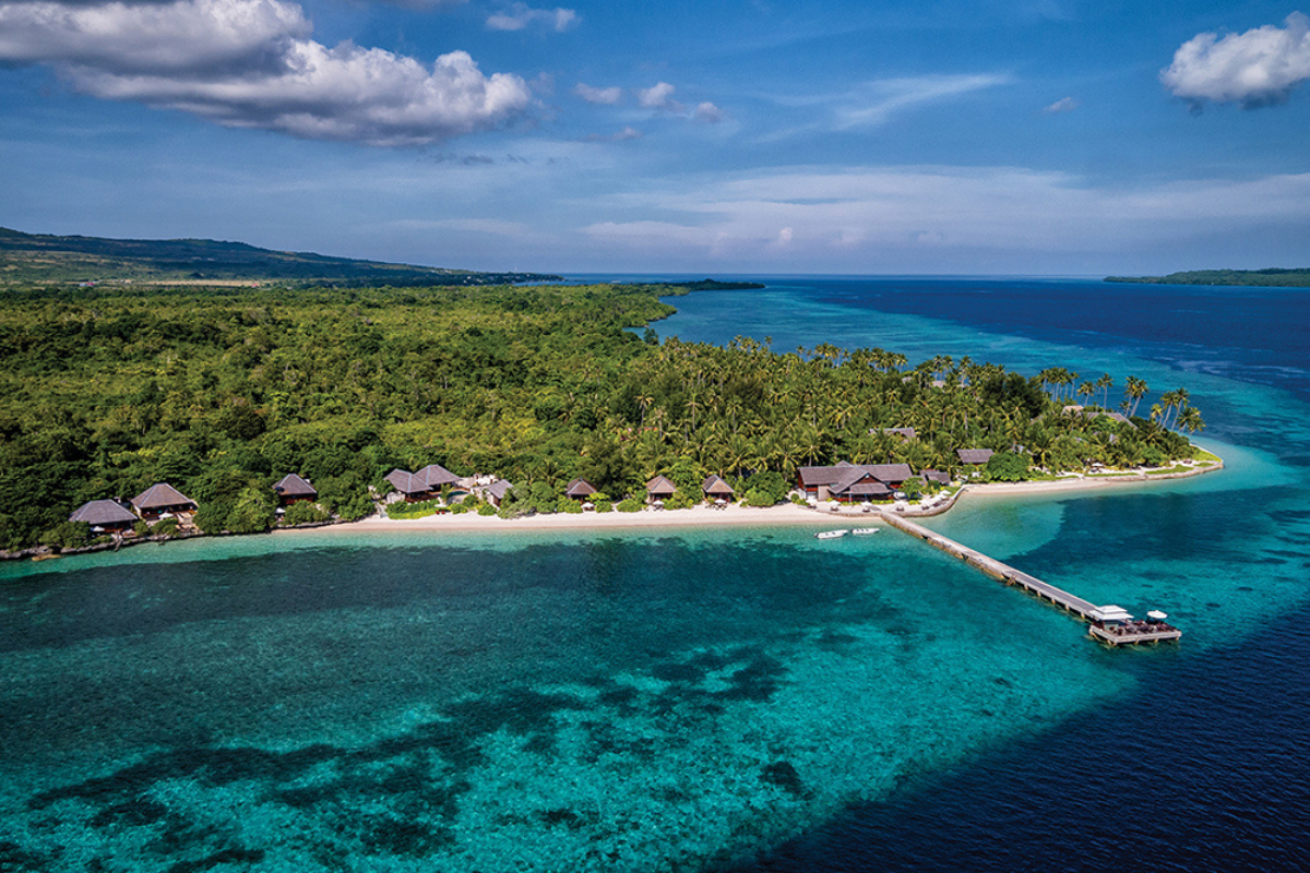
x,y
1205,769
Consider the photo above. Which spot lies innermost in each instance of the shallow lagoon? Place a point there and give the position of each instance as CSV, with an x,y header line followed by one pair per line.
x,y
646,701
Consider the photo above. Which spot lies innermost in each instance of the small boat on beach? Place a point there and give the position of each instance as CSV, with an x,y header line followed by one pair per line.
x,y
864,531
831,534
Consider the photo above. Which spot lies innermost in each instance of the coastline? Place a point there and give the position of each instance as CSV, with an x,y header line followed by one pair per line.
x,y
733,514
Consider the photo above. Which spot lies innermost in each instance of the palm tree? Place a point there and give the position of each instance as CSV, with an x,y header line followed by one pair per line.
x,y
1136,389
1106,382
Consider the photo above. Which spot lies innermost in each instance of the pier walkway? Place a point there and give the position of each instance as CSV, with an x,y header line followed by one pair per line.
x,y
1114,634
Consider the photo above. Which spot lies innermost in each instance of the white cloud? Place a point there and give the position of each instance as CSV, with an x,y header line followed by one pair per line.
x,y
659,97
878,101
708,113
861,218
604,96
623,135
250,63
1064,104
1256,68
520,16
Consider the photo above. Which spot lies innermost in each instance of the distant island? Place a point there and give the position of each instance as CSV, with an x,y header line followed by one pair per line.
x,y
27,259
1273,277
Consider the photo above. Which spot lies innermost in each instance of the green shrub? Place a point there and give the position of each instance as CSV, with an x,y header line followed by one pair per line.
x,y
67,535
458,509
486,509
604,505
569,505
629,504
305,512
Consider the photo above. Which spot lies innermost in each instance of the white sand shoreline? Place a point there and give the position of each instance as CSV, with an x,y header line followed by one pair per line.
x,y
700,516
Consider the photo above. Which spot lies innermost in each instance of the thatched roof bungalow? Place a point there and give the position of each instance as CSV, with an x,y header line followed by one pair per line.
x,y
905,433
293,489
974,456
105,515
160,499
715,487
938,476
819,481
579,489
858,485
660,488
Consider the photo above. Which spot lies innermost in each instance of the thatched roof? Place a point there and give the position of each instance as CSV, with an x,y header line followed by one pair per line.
x,y
660,485
974,456
579,488
812,477
937,476
716,487
294,486
102,512
903,432
161,496
859,482
499,488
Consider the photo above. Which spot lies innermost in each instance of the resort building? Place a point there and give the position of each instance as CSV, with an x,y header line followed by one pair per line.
x,y
714,488
579,489
293,489
496,492
660,489
160,500
971,457
426,484
905,433
104,515
826,483
937,476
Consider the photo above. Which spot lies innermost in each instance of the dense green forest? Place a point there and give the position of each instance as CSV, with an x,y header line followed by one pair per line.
x,y
221,392
37,258
1279,278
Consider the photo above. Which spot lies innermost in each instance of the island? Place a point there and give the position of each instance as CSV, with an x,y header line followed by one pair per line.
x,y
141,413
1272,277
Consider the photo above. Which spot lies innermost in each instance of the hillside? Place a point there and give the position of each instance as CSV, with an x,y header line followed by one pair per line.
x,y
1279,278
43,258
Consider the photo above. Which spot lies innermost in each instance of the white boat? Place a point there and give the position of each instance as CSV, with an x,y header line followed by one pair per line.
x,y
831,534
864,531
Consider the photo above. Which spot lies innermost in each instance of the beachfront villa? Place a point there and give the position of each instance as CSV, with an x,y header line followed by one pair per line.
x,y
579,489
714,488
293,489
426,484
974,457
660,489
162,499
104,516
496,492
852,482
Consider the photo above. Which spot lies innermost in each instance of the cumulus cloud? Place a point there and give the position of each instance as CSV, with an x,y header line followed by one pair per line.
x,y
251,63
1256,68
520,16
659,97
603,96
1064,104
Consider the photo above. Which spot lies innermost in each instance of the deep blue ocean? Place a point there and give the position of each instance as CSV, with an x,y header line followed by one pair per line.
x,y
747,700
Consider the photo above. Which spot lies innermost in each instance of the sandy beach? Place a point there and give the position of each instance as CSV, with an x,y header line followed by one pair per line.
x,y
733,514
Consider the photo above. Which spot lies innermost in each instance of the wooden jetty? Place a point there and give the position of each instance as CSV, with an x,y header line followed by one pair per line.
x,y
1109,624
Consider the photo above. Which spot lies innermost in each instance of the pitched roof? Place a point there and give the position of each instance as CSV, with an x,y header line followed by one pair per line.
x,y
406,482
935,476
811,476
716,485
294,486
974,456
906,432
579,488
436,475
160,495
660,485
859,481
102,512
890,472
499,488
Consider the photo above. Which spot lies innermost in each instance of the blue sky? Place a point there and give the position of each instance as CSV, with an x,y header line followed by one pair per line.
x,y
1043,137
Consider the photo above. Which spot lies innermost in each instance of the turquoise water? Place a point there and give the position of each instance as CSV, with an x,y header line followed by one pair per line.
x,y
655,701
